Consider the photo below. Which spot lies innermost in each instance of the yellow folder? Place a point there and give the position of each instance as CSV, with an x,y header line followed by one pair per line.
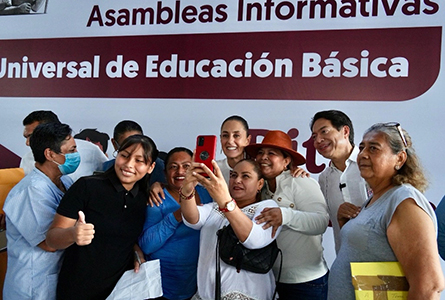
x,y
379,281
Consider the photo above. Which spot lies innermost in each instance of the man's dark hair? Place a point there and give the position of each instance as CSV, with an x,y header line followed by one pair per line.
x,y
94,136
41,116
48,135
126,126
338,120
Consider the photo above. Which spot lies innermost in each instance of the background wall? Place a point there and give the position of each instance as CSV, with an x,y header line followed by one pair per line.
x,y
173,111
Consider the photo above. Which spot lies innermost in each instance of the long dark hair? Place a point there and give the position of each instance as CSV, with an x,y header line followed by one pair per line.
x,y
150,155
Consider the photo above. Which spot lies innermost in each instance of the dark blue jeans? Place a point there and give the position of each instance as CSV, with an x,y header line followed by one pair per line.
x,y
312,290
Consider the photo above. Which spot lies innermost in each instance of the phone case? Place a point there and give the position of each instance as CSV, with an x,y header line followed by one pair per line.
x,y
205,150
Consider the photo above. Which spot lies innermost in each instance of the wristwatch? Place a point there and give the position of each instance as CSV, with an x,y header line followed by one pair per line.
x,y
230,206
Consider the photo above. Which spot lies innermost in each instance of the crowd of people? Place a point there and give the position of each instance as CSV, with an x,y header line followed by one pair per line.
x,y
71,234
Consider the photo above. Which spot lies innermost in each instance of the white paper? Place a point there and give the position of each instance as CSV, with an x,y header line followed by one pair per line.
x,y
142,285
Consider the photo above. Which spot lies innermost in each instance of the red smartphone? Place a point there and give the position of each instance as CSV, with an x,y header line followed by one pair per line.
x,y
205,150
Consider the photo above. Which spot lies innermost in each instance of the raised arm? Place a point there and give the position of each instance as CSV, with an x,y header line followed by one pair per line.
x,y
219,191
187,192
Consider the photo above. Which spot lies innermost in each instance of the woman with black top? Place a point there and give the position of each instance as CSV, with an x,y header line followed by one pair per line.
x,y
99,221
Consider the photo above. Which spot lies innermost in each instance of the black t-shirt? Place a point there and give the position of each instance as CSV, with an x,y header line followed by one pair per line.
x,y
92,271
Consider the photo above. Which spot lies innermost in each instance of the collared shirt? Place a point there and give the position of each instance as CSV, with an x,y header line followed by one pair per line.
x,y
30,208
305,219
91,271
354,189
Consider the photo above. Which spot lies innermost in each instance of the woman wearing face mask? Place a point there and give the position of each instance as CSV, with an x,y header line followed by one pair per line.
x,y
99,221
30,207
236,204
302,213
397,223
165,237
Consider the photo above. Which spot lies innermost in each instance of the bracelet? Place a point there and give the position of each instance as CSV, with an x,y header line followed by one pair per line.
x,y
184,197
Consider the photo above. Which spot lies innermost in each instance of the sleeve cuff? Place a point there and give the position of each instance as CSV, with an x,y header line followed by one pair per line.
x,y
286,214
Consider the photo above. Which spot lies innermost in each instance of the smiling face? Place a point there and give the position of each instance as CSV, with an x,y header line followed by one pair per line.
x,y
272,162
329,141
233,139
376,160
244,183
130,165
176,167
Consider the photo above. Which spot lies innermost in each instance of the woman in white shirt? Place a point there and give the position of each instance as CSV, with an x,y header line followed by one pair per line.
x,y
303,214
234,138
236,205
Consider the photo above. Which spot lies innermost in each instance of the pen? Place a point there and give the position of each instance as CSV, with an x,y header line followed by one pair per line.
x,y
137,257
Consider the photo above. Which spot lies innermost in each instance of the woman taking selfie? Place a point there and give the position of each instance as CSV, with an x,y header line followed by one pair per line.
x,y
99,221
396,224
236,205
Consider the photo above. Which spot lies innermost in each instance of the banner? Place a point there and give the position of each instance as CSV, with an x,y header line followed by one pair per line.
x,y
366,64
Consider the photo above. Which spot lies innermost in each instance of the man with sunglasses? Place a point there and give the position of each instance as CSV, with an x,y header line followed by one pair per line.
x,y
340,182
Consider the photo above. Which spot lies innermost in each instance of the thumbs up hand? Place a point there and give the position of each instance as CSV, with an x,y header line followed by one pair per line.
x,y
84,232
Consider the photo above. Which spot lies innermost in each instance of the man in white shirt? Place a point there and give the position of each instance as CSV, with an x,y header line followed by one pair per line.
x,y
340,182
91,157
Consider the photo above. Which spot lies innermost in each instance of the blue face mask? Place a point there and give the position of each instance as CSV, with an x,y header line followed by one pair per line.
x,y
72,161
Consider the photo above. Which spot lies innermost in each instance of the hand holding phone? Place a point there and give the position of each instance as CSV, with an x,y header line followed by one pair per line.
x,y
205,150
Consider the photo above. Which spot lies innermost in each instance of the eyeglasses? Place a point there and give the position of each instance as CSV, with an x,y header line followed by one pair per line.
x,y
399,129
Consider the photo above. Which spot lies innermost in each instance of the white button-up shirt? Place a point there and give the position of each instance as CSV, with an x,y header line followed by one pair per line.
x,y
353,189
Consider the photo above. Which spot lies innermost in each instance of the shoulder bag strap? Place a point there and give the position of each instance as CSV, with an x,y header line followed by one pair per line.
x,y
217,269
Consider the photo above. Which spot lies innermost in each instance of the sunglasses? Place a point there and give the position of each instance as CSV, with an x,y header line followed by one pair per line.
x,y
399,129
